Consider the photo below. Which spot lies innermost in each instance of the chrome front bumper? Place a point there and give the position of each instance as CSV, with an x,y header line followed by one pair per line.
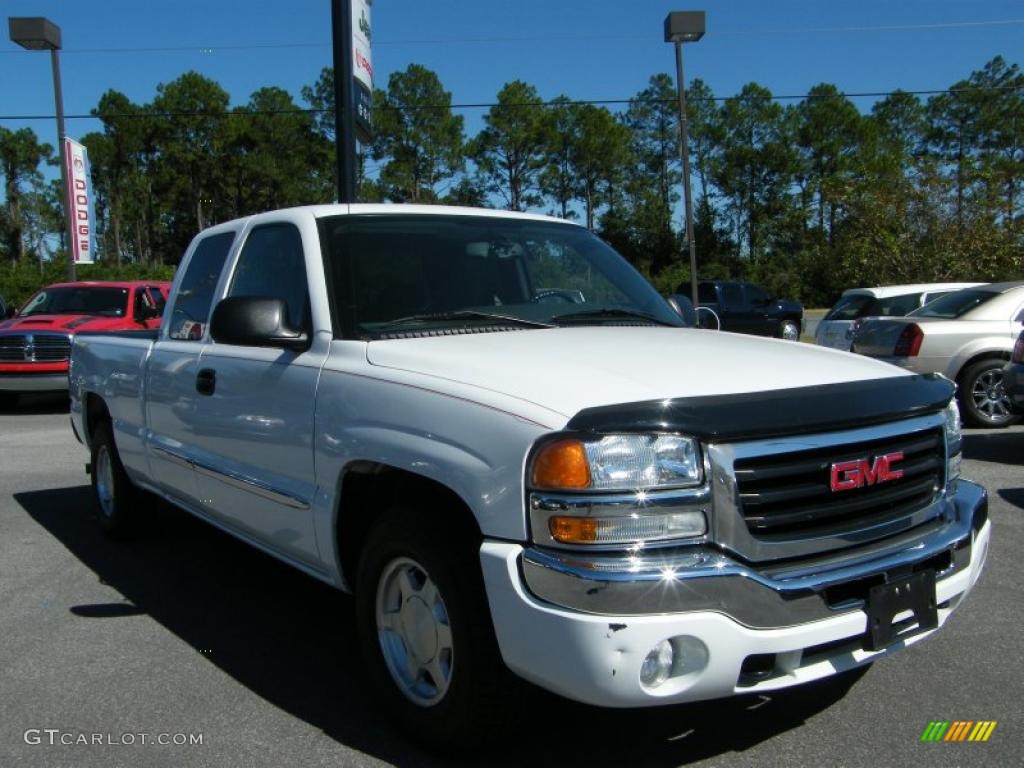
x,y
763,596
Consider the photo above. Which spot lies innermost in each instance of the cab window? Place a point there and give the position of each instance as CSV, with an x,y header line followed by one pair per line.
x,y
273,265
192,303
732,295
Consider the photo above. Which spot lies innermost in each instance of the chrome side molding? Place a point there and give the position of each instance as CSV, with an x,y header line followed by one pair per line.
x,y
236,480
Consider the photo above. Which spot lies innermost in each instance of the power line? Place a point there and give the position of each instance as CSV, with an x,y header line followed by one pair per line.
x,y
515,105
206,47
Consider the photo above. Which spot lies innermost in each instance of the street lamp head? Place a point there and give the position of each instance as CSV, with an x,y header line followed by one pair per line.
x,y
34,33
684,26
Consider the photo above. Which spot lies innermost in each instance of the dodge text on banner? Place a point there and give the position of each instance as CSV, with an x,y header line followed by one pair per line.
x,y
79,202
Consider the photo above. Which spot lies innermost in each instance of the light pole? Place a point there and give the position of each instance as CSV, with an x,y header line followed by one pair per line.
x,y
685,27
38,34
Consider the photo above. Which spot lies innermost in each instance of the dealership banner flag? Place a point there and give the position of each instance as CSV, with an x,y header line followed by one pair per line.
x,y
79,202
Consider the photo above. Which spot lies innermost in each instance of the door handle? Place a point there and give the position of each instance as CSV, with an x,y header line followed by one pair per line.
x,y
206,381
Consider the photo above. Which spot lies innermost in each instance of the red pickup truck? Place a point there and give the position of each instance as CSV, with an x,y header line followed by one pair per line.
x,y
36,342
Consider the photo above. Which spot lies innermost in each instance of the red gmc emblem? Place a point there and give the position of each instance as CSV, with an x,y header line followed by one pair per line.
x,y
847,475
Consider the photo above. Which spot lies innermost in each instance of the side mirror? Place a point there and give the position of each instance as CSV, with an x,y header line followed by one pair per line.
x,y
10,312
256,321
683,307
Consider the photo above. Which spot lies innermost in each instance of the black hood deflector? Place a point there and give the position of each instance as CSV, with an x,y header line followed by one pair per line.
x,y
776,413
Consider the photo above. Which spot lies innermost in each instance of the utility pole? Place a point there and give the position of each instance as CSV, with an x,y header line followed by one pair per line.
x,y
344,118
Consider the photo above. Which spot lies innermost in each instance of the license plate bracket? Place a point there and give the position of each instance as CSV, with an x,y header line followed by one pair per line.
x,y
914,593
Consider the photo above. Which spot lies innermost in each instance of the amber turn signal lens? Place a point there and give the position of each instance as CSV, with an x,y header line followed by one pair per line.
x,y
573,530
561,465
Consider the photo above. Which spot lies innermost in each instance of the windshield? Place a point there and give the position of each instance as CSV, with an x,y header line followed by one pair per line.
x,y
411,273
82,300
954,305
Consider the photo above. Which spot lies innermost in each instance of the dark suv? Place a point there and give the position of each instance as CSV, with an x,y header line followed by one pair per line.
x,y
748,308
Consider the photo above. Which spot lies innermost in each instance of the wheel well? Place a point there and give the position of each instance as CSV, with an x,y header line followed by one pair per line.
x,y
367,489
990,355
95,413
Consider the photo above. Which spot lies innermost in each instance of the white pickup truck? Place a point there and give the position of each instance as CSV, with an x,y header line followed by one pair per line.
x,y
492,430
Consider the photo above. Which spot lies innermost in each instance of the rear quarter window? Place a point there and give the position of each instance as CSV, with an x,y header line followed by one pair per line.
x,y
849,307
892,306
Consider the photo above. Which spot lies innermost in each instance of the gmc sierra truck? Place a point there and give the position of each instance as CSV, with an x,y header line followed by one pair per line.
x,y
496,434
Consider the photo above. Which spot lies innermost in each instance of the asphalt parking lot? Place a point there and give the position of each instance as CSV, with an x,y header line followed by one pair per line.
x,y
187,632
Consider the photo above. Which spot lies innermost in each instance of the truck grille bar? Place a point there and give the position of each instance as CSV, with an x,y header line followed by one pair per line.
x,y
34,347
789,496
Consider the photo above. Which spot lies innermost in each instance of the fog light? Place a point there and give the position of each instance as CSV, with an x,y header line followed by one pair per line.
x,y
658,665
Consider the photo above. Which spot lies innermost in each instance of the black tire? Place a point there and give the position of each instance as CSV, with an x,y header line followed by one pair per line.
x,y
983,398
478,687
8,400
115,496
789,330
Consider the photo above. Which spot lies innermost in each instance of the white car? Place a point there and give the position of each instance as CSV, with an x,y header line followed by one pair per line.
x,y
837,328
967,336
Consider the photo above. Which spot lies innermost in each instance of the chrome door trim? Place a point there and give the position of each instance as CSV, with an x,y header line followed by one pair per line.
x,y
257,487
172,457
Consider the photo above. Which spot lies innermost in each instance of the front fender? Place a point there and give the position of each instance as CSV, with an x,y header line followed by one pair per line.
x,y
476,451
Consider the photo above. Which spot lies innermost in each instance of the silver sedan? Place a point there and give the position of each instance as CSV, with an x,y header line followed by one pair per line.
x,y
967,336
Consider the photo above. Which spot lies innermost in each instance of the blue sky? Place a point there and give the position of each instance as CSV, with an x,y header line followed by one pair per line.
x,y
585,49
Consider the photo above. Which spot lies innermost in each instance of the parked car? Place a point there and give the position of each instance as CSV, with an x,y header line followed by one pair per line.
x,y
838,327
1013,377
36,342
747,308
617,508
967,336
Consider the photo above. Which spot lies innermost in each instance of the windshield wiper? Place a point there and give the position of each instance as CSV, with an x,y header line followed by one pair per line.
x,y
608,313
461,314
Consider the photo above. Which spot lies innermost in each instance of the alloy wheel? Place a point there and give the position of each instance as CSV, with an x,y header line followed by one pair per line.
x,y
989,395
414,632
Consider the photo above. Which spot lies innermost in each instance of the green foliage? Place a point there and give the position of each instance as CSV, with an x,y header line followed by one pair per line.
x,y
20,280
509,151
807,199
20,156
257,175
639,219
417,137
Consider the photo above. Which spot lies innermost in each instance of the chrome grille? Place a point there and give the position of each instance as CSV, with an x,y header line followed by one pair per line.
x,y
12,348
51,348
788,496
34,347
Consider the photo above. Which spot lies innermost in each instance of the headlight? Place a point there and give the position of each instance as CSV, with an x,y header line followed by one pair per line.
x,y
617,463
617,490
954,441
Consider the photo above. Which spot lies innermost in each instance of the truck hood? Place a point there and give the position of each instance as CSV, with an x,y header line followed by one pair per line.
x,y
568,369
64,323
